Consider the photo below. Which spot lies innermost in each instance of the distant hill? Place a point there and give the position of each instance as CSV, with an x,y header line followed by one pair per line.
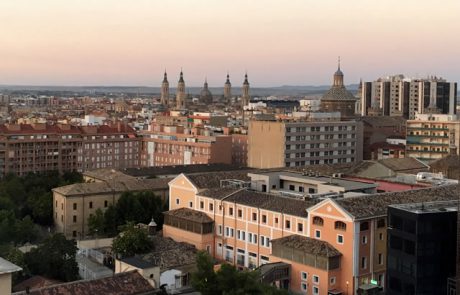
x,y
143,90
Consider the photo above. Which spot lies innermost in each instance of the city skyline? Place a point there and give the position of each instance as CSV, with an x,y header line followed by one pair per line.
x,y
294,43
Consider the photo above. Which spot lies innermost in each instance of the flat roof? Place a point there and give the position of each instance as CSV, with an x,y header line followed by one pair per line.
x,y
429,207
348,185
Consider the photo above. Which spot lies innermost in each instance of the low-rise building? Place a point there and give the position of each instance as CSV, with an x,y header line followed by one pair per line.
x,y
74,204
345,236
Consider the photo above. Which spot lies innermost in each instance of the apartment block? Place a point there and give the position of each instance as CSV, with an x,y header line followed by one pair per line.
x,y
275,144
314,243
43,147
400,96
432,136
165,145
240,149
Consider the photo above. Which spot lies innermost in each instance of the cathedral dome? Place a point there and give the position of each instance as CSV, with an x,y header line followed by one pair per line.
x,y
205,94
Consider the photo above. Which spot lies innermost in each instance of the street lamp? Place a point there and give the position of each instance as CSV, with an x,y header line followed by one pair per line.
x,y
347,286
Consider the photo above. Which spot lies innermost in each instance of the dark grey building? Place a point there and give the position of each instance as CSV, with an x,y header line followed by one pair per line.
x,y
422,241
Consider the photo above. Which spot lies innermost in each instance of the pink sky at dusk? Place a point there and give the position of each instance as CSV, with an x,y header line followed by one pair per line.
x,y
294,42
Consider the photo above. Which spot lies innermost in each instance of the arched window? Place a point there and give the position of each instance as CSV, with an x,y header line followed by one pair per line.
x,y
340,225
318,221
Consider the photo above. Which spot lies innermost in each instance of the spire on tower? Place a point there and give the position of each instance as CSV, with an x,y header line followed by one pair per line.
x,y
165,79
339,63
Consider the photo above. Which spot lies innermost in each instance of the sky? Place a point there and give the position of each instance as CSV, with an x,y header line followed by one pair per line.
x,y
285,42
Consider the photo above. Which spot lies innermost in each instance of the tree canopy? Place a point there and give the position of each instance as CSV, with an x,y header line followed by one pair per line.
x,y
227,280
55,258
131,241
131,207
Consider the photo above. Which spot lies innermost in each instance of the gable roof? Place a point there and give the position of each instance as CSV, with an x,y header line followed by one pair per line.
x,y
307,245
125,283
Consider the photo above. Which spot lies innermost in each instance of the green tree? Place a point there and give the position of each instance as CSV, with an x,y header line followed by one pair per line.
x,y
227,280
55,258
42,208
204,279
131,241
96,222
17,257
110,221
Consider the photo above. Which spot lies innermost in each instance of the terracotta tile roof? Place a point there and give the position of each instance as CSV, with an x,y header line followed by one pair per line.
x,y
12,129
168,254
404,164
272,202
212,179
35,282
369,206
307,245
190,215
125,283
87,188
219,192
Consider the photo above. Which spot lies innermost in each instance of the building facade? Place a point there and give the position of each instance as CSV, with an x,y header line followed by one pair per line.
x,y
432,136
252,228
275,144
422,240
43,147
176,145
400,96
74,204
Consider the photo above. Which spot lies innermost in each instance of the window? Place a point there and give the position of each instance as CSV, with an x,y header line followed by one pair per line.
x,y
264,218
276,220
381,223
300,227
211,207
230,211
240,213
381,236
380,258
315,279
219,229
339,239
74,206
292,187
201,205
318,221
303,276
177,201
190,204
315,290
90,205
364,226
288,224
74,234
364,240
318,234
332,281
363,262
340,225
254,216
250,237
303,287
75,219
106,204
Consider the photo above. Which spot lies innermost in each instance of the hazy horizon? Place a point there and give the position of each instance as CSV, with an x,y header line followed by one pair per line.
x,y
296,42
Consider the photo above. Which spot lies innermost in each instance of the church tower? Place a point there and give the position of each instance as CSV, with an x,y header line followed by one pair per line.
x,y
165,90
180,92
245,96
227,89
